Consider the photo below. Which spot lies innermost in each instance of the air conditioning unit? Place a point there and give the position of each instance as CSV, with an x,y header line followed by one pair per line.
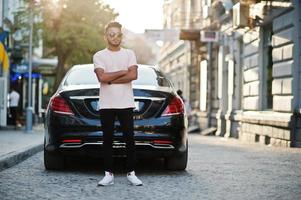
x,y
240,15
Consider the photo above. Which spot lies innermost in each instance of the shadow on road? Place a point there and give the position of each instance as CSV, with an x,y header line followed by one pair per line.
x,y
145,166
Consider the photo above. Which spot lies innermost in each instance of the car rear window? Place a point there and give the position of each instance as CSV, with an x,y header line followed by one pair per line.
x,y
81,76
146,76
150,76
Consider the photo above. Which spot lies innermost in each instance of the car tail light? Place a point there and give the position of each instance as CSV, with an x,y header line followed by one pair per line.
x,y
162,142
72,141
176,106
59,105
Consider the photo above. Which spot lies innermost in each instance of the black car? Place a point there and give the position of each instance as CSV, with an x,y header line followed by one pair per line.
x,y
72,123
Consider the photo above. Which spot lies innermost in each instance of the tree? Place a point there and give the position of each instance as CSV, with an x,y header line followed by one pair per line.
x,y
19,29
73,30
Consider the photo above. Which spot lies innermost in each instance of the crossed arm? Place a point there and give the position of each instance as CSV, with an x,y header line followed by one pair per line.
x,y
122,76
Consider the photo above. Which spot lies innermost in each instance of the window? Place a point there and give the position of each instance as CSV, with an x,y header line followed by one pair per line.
x,y
146,76
81,76
267,67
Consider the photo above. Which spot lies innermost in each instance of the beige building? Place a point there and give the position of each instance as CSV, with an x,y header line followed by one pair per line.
x,y
246,84
180,59
258,70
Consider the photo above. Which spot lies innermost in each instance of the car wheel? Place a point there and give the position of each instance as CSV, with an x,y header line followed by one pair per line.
x,y
177,161
53,161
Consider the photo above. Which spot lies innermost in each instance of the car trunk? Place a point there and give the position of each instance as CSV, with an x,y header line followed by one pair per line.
x,y
148,103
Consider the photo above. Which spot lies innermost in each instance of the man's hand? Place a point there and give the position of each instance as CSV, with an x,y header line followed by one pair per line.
x,y
106,77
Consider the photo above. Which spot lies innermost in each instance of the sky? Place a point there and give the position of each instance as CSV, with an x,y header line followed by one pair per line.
x,y
138,15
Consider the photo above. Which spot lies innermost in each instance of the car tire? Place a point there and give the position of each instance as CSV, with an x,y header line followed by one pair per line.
x,y
53,161
177,161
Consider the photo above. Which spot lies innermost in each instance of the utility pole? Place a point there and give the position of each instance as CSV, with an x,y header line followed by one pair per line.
x,y
29,108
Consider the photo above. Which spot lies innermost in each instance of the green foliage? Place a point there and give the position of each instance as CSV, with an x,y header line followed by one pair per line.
x,y
73,29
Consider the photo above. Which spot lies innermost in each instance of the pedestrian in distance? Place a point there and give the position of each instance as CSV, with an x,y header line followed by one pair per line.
x,y
116,68
14,98
180,93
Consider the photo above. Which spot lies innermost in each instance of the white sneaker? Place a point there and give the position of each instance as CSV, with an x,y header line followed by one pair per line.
x,y
132,178
108,179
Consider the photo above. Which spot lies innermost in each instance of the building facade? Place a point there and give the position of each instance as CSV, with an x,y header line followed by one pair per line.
x,y
16,43
258,63
246,84
180,59
7,8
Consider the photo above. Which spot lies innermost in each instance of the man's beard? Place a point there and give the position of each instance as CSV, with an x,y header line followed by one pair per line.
x,y
114,44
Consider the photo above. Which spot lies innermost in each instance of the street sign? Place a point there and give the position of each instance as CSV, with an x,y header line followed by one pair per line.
x,y
20,68
190,34
209,36
165,35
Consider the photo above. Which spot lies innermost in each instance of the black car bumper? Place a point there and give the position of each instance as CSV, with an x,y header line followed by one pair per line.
x,y
119,149
162,137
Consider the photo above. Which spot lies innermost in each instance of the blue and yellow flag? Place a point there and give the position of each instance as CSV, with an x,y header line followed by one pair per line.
x,y
4,61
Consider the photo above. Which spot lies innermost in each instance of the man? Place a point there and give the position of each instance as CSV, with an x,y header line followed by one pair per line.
x,y
116,68
14,98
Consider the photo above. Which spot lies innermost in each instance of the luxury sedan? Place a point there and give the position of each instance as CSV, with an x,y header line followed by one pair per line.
x,y
73,127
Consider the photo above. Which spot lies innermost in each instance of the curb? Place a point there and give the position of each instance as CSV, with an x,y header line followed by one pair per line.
x,y
18,156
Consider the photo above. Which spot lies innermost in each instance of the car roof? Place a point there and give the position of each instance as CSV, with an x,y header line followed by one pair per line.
x,y
81,66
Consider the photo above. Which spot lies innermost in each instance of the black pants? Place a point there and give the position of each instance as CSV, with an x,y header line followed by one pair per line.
x,y
13,112
125,117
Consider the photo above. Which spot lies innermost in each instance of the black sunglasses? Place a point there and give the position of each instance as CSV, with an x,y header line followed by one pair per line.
x,y
112,35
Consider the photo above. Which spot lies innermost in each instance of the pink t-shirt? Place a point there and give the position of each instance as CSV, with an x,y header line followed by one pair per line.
x,y
115,95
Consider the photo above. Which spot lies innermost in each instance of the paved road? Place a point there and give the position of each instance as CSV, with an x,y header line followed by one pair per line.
x,y
218,169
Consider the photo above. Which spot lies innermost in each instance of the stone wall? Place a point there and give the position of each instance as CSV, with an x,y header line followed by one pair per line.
x,y
269,128
251,70
283,63
257,124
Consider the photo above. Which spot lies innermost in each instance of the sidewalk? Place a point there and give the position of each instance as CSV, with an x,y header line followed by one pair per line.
x,y
17,145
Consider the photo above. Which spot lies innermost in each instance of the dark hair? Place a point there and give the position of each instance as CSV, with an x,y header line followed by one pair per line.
x,y
112,24
179,92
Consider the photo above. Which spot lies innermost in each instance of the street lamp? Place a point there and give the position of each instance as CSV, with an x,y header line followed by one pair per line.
x,y
29,108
